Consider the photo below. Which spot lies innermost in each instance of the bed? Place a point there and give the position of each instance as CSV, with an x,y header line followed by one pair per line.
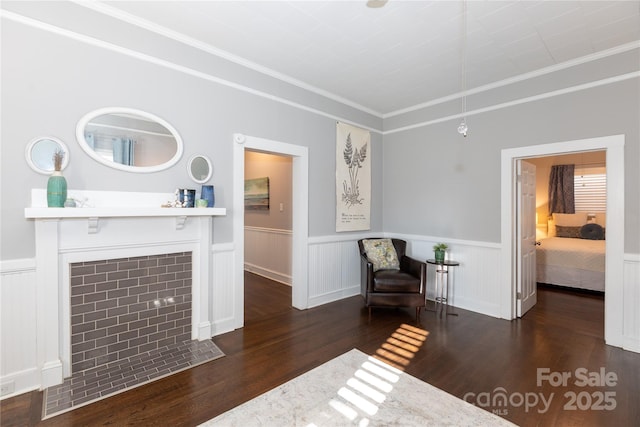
x,y
564,258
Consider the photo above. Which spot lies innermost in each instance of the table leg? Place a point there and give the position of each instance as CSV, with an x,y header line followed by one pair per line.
x,y
447,299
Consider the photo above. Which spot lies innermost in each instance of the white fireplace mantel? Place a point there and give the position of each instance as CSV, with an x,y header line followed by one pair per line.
x,y
113,204
116,225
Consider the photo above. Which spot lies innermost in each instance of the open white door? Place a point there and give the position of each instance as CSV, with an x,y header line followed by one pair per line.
x,y
526,237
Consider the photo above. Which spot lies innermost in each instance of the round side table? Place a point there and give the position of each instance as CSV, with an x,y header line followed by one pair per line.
x,y
441,285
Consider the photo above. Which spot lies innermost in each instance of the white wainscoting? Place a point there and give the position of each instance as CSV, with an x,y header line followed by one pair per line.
x,y
334,273
267,252
226,302
475,282
334,268
18,364
18,357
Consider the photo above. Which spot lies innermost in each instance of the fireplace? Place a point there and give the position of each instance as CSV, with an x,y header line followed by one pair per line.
x,y
83,254
128,306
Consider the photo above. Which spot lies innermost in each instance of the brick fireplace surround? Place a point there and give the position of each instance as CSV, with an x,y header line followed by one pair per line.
x,y
123,307
124,293
130,324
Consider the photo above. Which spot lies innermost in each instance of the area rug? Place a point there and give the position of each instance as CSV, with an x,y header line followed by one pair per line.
x,y
360,390
94,384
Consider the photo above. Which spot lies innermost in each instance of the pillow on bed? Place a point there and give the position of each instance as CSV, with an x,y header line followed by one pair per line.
x,y
567,231
592,231
570,220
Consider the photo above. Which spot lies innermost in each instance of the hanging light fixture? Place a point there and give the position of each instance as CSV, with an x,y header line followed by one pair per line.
x,y
462,127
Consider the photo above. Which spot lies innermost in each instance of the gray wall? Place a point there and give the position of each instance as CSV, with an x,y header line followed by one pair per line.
x,y
434,182
438,183
50,81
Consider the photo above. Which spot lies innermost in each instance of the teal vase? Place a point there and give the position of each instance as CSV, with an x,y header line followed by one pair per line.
x,y
56,190
439,256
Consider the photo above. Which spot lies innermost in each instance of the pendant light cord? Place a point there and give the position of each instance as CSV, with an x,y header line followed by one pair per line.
x,y
463,76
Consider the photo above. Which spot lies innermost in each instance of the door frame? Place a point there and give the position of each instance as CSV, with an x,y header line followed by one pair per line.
x,y
300,214
614,259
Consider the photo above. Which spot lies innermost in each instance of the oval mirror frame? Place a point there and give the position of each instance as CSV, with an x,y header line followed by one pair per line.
x,y
199,168
39,154
80,136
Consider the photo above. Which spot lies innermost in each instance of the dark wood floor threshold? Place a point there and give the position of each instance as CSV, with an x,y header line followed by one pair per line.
x,y
467,356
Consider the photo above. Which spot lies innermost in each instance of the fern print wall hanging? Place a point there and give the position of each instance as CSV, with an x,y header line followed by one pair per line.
x,y
353,178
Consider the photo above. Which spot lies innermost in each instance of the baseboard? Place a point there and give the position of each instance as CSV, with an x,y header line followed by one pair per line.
x,y
223,326
22,382
269,274
317,300
631,344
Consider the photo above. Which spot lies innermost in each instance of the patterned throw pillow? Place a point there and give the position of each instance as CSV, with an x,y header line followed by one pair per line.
x,y
382,254
566,231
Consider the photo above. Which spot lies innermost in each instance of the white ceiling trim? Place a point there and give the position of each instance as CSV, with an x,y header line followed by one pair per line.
x,y
205,47
167,64
564,91
197,44
515,79
211,78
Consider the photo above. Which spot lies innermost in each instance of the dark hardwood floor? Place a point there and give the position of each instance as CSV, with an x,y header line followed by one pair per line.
x,y
469,355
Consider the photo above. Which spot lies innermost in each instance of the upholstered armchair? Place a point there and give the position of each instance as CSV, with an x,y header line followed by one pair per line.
x,y
389,282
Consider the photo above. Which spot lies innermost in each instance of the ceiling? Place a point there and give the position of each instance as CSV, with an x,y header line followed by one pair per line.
x,y
401,55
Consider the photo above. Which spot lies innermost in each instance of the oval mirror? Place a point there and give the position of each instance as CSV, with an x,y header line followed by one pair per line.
x,y
39,153
129,139
199,168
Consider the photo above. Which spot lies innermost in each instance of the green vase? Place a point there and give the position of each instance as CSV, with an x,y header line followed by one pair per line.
x,y
56,190
439,256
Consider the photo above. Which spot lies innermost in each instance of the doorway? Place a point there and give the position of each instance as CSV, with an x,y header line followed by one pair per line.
x,y
268,215
300,216
614,147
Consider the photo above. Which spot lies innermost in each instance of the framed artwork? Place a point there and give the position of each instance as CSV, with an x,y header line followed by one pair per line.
x,y
353,178
256,194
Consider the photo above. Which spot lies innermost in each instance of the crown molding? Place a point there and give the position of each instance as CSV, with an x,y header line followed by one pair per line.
x,y
551,94
211,78
170,65
521,77
205,47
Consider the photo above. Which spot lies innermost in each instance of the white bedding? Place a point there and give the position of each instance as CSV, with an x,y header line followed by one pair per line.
x,y
577,263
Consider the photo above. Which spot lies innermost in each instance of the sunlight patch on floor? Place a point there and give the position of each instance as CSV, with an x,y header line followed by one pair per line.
x,y
370,385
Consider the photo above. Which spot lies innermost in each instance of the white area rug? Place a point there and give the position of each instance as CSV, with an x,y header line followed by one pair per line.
x,y
356,389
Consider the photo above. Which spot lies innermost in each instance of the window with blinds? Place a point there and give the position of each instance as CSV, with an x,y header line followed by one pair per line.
x,y
590,189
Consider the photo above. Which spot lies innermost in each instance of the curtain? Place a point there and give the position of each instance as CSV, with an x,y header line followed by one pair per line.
x,y
561,197
123,151
91,140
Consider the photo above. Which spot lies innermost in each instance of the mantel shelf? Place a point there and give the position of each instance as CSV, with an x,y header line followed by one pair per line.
x,y
119,212
94,215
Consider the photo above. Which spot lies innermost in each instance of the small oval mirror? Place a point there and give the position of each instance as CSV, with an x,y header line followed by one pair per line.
x,y
199,168
39,153
129,139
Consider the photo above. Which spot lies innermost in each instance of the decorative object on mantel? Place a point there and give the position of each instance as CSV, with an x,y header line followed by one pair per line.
x,y
439,251
201,203
208,194
70,203
187,197
57,184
